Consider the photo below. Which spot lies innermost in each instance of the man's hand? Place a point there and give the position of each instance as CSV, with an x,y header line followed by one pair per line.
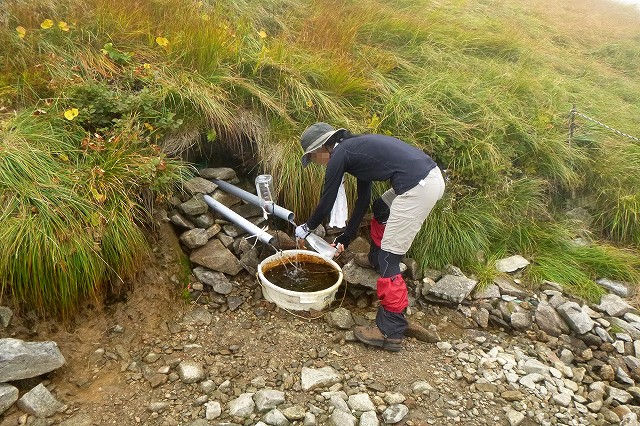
x,y
339,249
302,231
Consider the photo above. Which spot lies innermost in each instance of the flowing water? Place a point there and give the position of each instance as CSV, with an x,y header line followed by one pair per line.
x,y
302,276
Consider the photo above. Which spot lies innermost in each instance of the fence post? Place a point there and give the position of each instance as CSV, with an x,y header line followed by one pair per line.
x,y
572,122
572,126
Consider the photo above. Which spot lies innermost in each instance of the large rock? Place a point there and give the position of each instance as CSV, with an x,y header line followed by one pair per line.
x,y
319,377
509,287
198,316
341,318
511,264
8,395
198,185
361,402
578,320
250,260
295,412
222,173
268,399
217,280
274,417
521,320
342,418
616,287
394,413
226,199
247,210
194,238
179,220
213,410
614,306
233,230
215,256
195,206
22,360
491,291
283,241
39,402
354,274
242,406
5,316
550,321
369,419
453,288
624,325
190,372
204,221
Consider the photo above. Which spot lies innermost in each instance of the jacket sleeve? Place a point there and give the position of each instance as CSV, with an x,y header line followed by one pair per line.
x,y
360,208
332,180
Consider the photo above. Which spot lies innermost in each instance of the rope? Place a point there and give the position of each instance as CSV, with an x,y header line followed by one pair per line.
x,y
258,235
574,112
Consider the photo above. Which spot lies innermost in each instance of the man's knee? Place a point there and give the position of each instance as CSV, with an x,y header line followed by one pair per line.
x,y
389,263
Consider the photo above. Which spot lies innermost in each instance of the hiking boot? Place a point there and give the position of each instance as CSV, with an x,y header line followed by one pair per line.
x,y
373,336
362,260
418,332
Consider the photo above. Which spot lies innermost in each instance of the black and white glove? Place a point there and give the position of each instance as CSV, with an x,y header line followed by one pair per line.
x,y
302,231
343,239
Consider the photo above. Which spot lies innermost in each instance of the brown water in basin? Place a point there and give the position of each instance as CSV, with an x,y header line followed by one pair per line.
x,y
302,276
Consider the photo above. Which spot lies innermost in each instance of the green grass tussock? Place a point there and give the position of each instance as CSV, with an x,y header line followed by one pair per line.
x,y
96,96
71,208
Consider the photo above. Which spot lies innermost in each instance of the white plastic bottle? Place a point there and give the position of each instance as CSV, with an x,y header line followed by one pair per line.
x,y
323,248
264,189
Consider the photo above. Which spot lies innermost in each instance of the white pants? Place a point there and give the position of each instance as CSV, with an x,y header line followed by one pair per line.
x,y
409,211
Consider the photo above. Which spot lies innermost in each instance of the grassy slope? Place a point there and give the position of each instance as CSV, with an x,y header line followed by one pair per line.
x,y
484,87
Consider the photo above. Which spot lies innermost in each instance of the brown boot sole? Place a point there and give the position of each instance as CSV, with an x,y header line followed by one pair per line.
x,y
391,345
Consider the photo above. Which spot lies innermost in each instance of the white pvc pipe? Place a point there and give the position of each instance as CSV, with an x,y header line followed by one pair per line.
x,y
234,217
278,211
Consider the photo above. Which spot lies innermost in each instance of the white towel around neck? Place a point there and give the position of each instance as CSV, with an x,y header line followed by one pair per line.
x,y
339,212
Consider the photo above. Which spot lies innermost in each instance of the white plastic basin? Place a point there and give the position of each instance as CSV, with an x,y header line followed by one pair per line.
x,y
297,300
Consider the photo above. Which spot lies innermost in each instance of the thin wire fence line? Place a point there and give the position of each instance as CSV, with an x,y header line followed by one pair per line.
x,y
575,112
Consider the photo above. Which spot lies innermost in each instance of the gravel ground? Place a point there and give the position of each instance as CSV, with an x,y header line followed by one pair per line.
x,y
154,358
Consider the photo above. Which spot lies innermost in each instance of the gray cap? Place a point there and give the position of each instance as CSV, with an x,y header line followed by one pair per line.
x,y
314,137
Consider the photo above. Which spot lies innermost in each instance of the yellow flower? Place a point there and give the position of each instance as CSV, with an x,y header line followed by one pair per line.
x,y
70,114
309,103
21,31
146,66
262,34
162,41
63,26
46,24
148,127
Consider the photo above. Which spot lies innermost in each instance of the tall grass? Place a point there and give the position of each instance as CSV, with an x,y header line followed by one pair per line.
x,y
71,216
576,267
